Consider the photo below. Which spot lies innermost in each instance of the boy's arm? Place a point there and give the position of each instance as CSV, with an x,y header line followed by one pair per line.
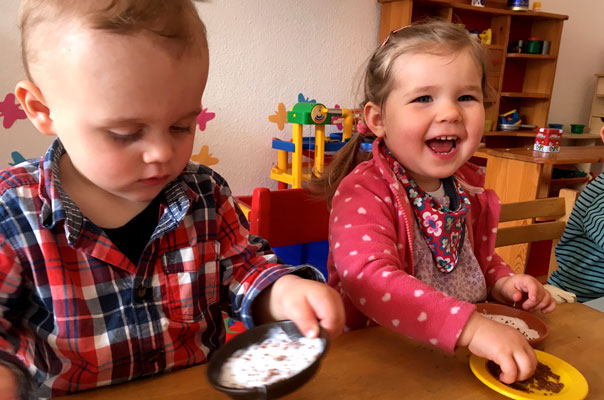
x,y
248,265
593,220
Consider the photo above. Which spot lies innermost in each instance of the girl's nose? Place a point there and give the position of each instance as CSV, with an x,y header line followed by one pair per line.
x,y
449,112
158,149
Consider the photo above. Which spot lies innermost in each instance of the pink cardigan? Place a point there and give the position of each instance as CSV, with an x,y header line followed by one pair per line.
x,y
371,258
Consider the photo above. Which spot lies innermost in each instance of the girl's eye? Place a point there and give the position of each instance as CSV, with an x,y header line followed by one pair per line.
x,y
423,99
467,97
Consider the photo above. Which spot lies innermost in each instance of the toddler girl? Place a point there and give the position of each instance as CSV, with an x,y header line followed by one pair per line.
x,y
412,231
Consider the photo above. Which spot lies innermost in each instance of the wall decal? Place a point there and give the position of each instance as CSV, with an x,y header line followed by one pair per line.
x,y
279,117
302,99
204,157
204,117
11,110
17,158
338,122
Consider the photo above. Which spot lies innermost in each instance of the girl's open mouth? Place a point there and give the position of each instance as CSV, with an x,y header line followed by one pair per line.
x,y
442,145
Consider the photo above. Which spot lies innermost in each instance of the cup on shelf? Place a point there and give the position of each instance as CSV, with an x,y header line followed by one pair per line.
x,y
488,125
556,126
534,45
577,128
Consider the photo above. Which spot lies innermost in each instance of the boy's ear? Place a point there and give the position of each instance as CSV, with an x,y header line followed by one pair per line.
x,y
374,119
33,103
602,133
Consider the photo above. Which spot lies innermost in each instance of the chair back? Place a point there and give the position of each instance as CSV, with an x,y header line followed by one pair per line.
x,y
535,221
288,216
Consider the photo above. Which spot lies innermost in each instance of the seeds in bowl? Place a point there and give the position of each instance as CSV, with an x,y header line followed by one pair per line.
x,y
516,323
276,358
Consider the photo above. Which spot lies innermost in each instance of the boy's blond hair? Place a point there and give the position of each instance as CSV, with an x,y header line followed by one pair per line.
x,y
176,20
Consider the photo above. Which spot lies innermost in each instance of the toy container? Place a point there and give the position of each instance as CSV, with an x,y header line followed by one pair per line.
x,y
548,140
518,5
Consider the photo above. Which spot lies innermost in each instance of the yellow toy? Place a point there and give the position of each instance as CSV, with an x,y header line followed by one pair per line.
x,y
486,36
308,114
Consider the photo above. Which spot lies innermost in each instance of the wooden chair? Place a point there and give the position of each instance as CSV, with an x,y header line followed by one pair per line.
x,y
536,220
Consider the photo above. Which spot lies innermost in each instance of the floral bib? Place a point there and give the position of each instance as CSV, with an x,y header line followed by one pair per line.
x,y
443,228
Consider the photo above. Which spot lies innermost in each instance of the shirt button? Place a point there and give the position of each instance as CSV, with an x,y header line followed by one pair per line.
x,y
141,292
153,356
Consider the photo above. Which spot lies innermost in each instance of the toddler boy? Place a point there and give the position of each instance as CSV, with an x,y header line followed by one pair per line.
x,y
118,255
580,252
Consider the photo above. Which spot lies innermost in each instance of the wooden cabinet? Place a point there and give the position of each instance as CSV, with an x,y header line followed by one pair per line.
x,y
597,106
520,81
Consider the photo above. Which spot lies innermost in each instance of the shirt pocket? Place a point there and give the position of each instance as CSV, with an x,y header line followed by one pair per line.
x,y
191,281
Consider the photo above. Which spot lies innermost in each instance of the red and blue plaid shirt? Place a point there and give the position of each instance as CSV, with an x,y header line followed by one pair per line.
x,y
79,314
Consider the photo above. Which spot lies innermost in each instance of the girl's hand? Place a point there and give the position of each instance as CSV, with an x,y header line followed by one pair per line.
x,y
307,303
501,344
523,289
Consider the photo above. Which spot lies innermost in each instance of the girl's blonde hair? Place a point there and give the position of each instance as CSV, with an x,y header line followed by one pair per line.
x,y
436,37
177,20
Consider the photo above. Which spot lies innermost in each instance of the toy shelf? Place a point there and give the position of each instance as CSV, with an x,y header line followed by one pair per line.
x,y
521,81
597,105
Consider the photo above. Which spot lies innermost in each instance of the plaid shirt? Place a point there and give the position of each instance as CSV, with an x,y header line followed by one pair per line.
x,y
79,314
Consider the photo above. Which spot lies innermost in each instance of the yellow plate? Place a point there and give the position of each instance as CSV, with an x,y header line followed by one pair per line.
x,y
575,385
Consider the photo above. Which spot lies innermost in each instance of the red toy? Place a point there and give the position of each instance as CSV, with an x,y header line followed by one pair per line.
x,y
548,140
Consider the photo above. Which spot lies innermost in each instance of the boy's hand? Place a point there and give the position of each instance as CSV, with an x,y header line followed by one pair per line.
x,y
8,384
307,303
523,289
501,344
561,296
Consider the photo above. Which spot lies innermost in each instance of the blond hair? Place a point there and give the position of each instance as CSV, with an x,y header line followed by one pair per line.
x,y
436,37
176,20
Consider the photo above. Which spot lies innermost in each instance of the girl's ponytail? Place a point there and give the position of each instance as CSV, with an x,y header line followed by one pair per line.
x,y
342,164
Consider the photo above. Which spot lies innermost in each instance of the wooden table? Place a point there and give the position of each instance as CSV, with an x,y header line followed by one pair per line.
x,y
521,174
375,363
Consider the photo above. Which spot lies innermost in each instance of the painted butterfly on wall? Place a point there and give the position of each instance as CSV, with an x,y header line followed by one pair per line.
x,y
11,111
279,117
302,99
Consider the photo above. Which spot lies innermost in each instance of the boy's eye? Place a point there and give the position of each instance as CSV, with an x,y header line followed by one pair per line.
x,y
422,99
180,129
467,97
120,137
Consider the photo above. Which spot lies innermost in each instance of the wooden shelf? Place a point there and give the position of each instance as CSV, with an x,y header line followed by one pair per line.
x,y
564,182
597,105
526,95
532,134
522,81
526,56
456,4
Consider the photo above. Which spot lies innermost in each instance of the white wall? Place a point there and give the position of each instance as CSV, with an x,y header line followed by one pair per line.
x,y
262,52
581,56
267,51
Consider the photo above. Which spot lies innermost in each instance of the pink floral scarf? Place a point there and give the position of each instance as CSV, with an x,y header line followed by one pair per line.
x,y
443,228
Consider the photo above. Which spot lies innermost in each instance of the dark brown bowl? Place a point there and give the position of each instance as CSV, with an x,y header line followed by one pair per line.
x,y
254,336
531,320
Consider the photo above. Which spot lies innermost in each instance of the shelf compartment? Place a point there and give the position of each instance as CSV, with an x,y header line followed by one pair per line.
x,y
527,56
525,95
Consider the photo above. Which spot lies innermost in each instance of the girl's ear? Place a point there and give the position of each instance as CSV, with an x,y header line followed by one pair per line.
x,y
33,103
374,119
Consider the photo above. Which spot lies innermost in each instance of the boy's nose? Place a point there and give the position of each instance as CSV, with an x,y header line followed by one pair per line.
x,y
158,149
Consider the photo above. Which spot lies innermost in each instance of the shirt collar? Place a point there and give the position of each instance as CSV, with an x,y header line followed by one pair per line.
x,y
57,205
